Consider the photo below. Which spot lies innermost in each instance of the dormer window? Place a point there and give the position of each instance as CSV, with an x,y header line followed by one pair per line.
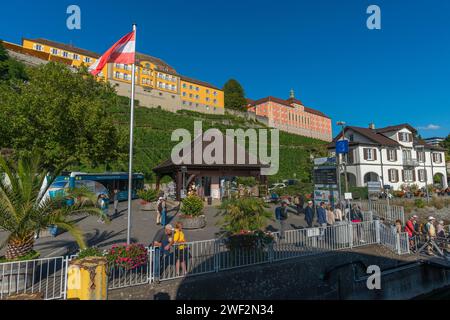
x,y
405,137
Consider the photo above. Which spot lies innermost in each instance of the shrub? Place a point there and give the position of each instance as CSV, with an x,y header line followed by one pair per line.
x,y
128,257
241,215
419,203
149,195
90,252
192,206
437,203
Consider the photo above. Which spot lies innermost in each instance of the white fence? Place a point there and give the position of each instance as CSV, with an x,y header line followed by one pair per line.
x,y
49,276
44,276
397,242
389,213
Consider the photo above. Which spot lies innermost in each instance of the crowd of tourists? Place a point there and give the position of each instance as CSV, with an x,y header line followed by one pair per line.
x,y
324,214
430,233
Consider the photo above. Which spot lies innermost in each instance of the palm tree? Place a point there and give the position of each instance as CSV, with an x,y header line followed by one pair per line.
x,y
26,209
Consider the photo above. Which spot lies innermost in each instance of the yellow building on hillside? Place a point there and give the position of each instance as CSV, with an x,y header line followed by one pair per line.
x,y
157,83
200,95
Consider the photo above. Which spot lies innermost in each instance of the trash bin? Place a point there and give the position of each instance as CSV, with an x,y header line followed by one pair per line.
x,y
209,201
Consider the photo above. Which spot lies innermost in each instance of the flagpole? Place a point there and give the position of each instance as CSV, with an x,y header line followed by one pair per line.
x,y
130,168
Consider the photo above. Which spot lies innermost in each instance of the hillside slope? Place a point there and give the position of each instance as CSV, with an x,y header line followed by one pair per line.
x,y
153,143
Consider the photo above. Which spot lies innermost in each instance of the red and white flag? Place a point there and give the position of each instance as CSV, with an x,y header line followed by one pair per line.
x,y
121,52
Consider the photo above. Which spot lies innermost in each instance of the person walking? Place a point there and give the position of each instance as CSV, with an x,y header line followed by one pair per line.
x,y
159,209
330,216
283,216
297,203
338,214
409,228
116,201
309,214
181,250
355,214
431,234
164,212
440,231
103,205
322,218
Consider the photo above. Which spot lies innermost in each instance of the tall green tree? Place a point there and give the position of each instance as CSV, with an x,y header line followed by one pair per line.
x,y
10,69
446,144
62,113
234,95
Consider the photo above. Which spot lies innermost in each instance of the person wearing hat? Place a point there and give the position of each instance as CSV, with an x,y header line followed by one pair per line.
x,y
162,243
440,232
309,214
159,209
431,234
410,229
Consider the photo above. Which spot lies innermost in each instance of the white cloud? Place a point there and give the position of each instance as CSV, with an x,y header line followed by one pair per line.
x,y
430,127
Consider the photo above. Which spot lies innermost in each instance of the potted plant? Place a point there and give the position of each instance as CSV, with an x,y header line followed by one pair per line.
x,y
25,210
192,212
147,197
243,224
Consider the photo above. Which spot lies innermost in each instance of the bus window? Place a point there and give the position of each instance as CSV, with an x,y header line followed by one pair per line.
x,y
123,185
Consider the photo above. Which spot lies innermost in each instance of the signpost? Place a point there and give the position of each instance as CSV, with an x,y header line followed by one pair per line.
x,y
374,187
325,181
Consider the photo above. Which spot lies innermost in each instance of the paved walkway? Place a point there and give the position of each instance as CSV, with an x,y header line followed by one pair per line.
x,y
143,230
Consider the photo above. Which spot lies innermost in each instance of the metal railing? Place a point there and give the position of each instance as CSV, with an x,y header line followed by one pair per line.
x,y
121,278
49,276
44,276
397,242
390,213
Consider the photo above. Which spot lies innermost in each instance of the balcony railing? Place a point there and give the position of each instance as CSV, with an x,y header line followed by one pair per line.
x,y
410,162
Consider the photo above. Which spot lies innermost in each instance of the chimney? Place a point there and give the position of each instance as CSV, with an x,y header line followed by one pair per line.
x,y
372,126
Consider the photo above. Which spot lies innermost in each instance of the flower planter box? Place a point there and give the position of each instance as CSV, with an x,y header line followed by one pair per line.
x,y
193,223
146,206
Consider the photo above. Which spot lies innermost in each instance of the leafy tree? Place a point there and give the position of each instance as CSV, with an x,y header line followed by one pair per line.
x,y
446,144
234,95
24,209
11,69
62,113
3,53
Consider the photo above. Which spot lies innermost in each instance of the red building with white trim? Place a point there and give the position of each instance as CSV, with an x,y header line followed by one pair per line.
x,y
292,116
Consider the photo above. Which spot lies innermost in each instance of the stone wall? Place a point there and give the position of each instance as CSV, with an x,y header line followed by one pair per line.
x,y
340,275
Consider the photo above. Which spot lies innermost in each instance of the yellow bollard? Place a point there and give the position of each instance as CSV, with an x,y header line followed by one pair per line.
x,y
86,279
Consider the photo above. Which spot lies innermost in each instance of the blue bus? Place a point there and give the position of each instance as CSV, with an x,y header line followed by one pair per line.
x,y
98,183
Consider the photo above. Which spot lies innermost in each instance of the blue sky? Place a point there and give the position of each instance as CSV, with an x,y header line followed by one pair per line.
x,y
322,49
